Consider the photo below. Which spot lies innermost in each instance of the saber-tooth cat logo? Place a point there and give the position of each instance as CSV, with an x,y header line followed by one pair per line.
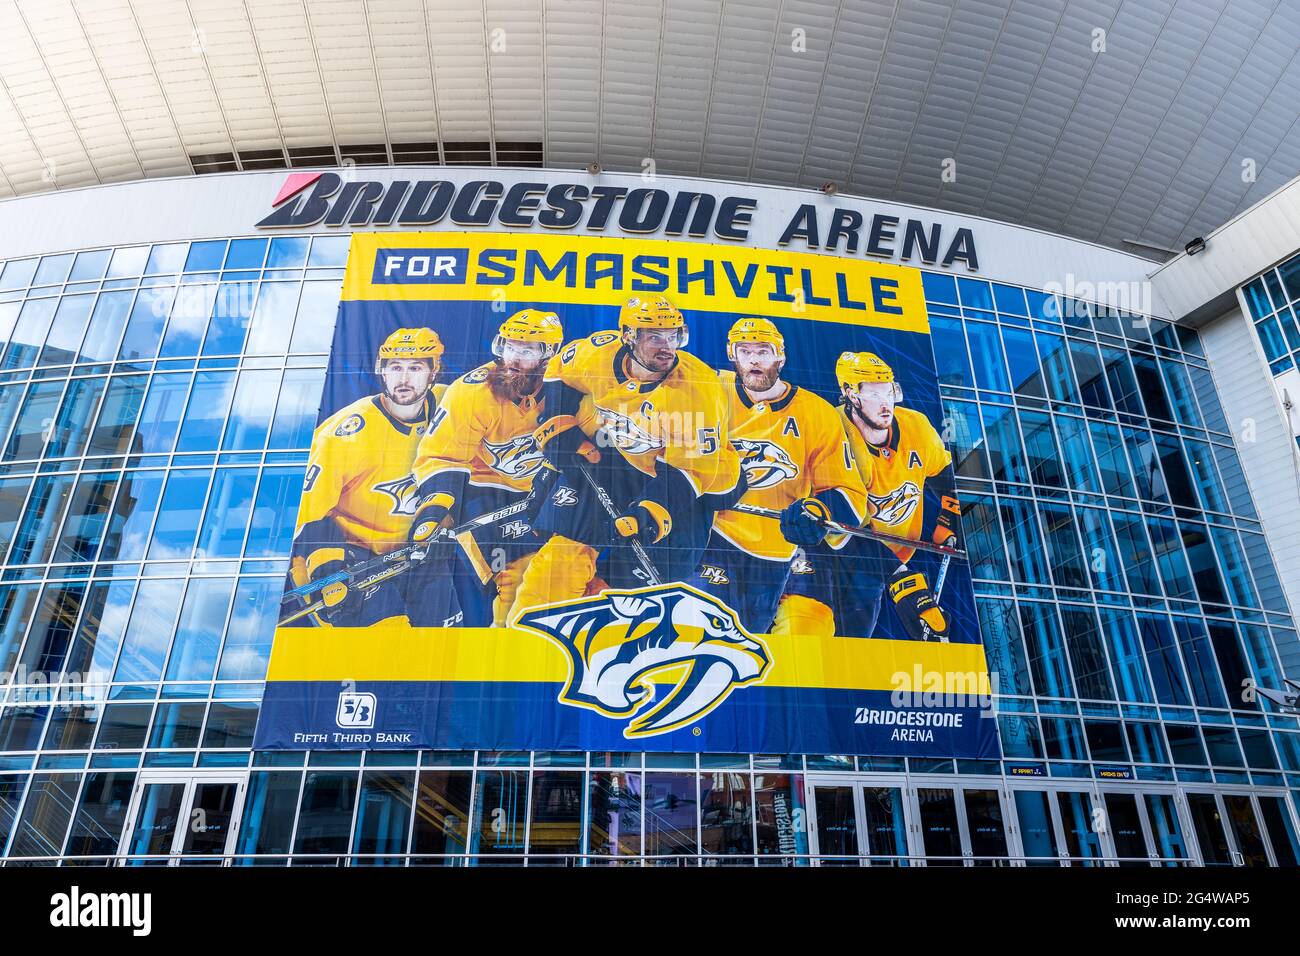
x,y
620,642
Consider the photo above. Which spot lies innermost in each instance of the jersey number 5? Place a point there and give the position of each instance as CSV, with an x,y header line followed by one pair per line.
x,y
707,439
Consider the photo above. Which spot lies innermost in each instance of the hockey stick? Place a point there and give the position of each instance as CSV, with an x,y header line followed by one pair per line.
x,y
637,547
492,517
837,528
377,578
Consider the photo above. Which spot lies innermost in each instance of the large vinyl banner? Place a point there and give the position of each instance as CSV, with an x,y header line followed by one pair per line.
x,y
587,493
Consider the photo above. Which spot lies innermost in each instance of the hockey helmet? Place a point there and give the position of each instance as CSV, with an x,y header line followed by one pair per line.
x,y
533,326
859,368
411,344
755,330
651,312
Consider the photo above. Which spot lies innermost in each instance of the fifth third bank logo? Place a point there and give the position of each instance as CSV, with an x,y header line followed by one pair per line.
x,y
355,710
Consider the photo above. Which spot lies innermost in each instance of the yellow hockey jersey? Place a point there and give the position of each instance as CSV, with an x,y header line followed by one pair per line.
x,y
359,473
895,472
474,433
680,420
790,447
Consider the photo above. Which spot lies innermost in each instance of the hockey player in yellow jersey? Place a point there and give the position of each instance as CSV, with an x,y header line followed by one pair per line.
x,y
897,452
479,456
657,416
795,457
358,496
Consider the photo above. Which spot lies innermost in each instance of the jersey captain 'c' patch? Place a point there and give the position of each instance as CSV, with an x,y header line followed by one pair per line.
x,y
897,506
350,426
766,463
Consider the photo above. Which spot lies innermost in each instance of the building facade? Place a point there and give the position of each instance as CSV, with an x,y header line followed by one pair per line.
x,y
161,367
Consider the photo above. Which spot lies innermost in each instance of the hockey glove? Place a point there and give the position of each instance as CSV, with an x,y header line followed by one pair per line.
x,y
544,481
648,521
922,618
947,527
339,597
802,523
432,515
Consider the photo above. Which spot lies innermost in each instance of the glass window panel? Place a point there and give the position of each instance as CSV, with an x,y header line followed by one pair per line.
x,y
939,288
1080,472
1068,567
35,418
16,604
1003,648
1198,657
13,495
383,815
1123,386
226,520
984,541
975,294
205,256
313,330
153,615
726,814
555,822
144,327
970,459
1263,571
53,270
1037,832
1057,372
1209,829
205,416
1046,652
272,321
274,513
123,726
128,261
1026,373
328,251
1136,553
250,412
90,265
1208,398
252,624
188,321
1232,564
986,355
1185,745
94,646
1168,551
29,332
670,814
161,416
1116,477
1257,299
179,515
500,809
779,808
1151,386
1200,556
46,815
101,814
1146,464
1089,373
64,339
198,635
34,542
167,258
1040,446
1082,842
1221,745
1087,656
72,426
1232,665
8,318
230,726
1179,388
1178,479
115,426
246,253
1024,541
1126,655
1259,752
269,812
1100,550
297,408
1201,461
1006,458
177,726
287,252
1020,736
51,630
228,325
1234,480
325,817
940,837
21,727
443,813
1162,659
951,360
132,518
10,399
1281,832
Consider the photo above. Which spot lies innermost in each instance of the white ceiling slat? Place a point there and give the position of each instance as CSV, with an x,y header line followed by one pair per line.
x,y
1144,140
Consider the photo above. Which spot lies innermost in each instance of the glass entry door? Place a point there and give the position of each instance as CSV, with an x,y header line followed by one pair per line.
x,y
183,815
858,824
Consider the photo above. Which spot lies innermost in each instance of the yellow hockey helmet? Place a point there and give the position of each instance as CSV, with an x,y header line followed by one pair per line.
x,y
651,312
530,325
755,330
858,368
411,344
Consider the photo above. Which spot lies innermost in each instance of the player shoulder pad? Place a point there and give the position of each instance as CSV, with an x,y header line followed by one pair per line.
x,y
476,376
601,339
349,420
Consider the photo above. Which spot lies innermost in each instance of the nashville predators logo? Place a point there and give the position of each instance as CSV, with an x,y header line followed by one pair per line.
x,y
517,458
766,463
897,506
403,491
625,434
624,645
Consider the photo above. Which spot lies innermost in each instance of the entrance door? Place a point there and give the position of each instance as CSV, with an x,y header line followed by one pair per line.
x,y
858,824
1247,834
194,816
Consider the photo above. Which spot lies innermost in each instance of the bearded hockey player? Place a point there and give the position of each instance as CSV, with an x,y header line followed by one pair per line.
x,y
657,418
358,496
479,456
795,456
896,451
